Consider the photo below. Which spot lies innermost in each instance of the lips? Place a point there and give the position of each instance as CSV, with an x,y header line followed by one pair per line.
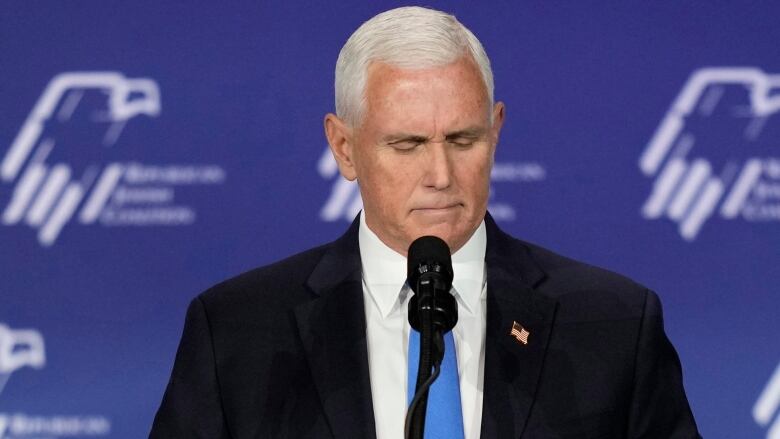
x,y
437,208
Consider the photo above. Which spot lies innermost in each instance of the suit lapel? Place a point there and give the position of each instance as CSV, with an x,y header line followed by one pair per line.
x,y
333,333
512,369
332,328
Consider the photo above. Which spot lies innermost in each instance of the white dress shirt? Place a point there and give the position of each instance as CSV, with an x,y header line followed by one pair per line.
x,y
387,329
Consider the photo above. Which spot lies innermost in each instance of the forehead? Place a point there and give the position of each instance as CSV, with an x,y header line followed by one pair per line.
x,y
450,94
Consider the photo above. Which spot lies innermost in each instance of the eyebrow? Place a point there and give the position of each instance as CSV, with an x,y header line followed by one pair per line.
x,y
471,132
399,137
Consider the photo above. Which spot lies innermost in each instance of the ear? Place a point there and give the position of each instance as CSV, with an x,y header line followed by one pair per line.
x,y
499,112
340,140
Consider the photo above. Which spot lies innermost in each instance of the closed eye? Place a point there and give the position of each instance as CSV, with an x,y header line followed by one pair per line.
x,y
466,138
463,141
407,143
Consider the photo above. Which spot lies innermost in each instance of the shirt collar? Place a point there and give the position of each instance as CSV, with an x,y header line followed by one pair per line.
x,y
384,270
468,266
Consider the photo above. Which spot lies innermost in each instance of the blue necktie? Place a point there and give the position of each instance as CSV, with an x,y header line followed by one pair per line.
x,y
444,419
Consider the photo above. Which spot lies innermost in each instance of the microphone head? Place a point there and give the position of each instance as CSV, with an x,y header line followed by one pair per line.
x,y
429,254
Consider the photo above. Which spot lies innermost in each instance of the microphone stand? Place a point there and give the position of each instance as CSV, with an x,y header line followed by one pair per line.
x,y
431,355
432,311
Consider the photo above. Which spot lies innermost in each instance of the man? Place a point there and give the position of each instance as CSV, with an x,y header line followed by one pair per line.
x,y
316,345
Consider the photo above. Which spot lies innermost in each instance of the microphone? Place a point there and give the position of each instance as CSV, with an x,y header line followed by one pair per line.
x,y
429,274
432,312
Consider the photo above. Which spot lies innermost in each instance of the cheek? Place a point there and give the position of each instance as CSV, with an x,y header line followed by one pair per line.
x,y
388,185
394,172
475,175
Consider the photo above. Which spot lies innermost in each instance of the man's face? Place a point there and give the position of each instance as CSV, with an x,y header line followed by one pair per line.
x,y
423,153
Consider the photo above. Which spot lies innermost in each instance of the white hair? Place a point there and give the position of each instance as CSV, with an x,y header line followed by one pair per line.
x,y
409,38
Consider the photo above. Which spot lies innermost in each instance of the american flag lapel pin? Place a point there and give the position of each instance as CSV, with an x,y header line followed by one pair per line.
x,y
519,333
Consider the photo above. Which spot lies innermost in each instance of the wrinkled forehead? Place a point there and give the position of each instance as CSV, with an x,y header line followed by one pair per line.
x,y
457,84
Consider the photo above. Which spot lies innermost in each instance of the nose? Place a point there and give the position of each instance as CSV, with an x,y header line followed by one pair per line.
x,y
438,167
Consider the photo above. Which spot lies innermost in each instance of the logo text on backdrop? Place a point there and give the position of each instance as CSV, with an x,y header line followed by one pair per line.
x,y
19,348
63,162
716,151
24,348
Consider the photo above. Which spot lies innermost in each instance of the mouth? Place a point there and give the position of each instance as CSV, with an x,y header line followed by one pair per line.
x,y
437,209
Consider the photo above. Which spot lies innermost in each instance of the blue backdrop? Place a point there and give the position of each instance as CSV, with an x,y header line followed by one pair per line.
x,y
152,149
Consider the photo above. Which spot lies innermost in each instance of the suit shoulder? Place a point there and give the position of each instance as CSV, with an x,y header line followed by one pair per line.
x,y
277,284
566,269
579,287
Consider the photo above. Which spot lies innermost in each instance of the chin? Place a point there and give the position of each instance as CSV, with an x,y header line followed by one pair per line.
x,y
444,231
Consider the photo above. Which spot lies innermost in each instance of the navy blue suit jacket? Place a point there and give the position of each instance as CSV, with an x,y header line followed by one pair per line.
x,y
281,351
